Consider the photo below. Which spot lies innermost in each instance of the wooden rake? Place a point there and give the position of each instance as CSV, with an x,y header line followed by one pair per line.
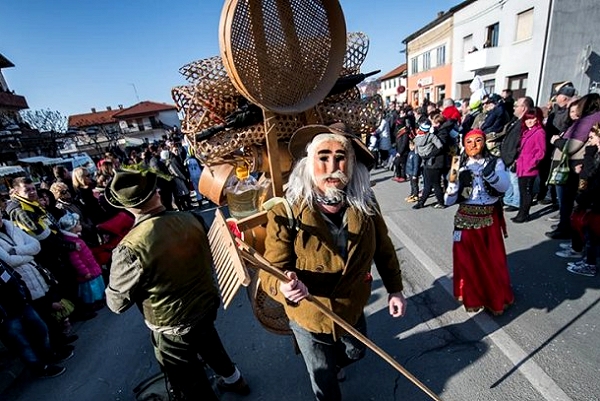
x,y
229,267
229,254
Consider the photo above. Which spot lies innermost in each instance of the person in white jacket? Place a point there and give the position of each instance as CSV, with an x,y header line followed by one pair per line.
x,y
18,250
384,143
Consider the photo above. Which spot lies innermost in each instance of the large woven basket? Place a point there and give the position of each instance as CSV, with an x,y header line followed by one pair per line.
x,y
283,55
211,97
227,142
269,313
361,116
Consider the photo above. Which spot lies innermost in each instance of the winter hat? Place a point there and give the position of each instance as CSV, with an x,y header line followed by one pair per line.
x,y
493,98
475,105
164,154
68,221
566,90
425,126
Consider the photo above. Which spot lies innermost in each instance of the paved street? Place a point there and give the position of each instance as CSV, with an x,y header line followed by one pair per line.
x,y
544,348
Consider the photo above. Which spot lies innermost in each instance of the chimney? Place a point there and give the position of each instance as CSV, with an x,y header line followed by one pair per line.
x,y
108,108
93,109
440,14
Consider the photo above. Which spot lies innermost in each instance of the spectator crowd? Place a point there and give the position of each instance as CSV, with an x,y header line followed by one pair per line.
x,y
56,242
550,152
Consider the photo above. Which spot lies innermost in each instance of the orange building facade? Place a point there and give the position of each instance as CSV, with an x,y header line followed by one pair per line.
x,y
429,60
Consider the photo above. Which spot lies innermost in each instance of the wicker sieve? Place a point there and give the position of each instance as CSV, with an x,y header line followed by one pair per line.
x,y
283,55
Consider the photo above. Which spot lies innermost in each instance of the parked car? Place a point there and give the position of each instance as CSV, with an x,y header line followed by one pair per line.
x,y
81,160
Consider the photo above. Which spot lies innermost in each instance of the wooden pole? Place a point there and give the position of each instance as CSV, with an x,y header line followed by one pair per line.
x,y
273,153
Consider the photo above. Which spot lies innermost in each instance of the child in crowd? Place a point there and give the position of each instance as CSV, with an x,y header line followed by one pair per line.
x,y
88,271
413,170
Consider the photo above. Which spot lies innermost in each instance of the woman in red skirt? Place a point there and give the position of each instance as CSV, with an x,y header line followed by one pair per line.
x,y
481,278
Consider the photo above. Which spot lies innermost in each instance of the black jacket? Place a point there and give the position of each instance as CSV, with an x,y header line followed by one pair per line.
x,y
495,119
589,193
509,148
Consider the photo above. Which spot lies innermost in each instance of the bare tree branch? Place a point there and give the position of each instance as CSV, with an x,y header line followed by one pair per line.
x,y
45,120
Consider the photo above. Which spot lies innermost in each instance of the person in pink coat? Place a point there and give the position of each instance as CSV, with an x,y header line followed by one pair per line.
x,y
532,148
87,269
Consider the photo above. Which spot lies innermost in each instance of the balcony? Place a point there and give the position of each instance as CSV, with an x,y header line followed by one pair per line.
x,y
483,58
10,101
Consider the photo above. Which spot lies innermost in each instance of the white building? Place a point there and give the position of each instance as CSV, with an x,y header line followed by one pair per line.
x,y
528,46
393,85
503,43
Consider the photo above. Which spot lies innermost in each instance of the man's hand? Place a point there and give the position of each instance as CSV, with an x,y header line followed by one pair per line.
x,y
396,304
57,306
294,290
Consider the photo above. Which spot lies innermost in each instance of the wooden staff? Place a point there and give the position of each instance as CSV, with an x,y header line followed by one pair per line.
x,y
254,258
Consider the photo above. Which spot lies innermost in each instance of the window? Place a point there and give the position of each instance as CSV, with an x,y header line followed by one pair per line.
x,y
441,55
414,65
524,25
441,93
140,124
491,35
518,84
490,86
426,61
427,94
467,45
464,89
153,122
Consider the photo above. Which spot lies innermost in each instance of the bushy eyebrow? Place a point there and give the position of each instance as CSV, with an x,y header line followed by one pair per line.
x,y
327,151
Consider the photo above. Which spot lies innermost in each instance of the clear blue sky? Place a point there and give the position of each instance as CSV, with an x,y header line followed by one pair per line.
x,y
72,55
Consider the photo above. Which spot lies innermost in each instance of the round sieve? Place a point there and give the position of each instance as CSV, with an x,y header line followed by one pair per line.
x,y
283,55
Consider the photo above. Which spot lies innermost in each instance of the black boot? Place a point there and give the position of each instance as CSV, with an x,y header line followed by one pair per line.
x,y
418,205
520,218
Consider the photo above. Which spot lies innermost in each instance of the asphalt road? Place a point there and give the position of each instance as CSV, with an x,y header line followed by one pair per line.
x,y
545,347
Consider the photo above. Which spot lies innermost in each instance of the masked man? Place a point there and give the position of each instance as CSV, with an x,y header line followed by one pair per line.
x,y
338,232
481,278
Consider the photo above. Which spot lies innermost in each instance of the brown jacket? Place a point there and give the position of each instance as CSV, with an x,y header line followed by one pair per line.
x,y
310,251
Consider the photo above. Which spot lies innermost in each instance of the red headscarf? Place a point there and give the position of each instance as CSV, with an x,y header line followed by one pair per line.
x,y
474,132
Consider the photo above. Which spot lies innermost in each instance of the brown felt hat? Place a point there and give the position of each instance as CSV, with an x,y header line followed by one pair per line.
x,y
130,188
302,137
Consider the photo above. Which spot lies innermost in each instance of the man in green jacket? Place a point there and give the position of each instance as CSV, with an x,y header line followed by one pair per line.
x,y
164,266
338,232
